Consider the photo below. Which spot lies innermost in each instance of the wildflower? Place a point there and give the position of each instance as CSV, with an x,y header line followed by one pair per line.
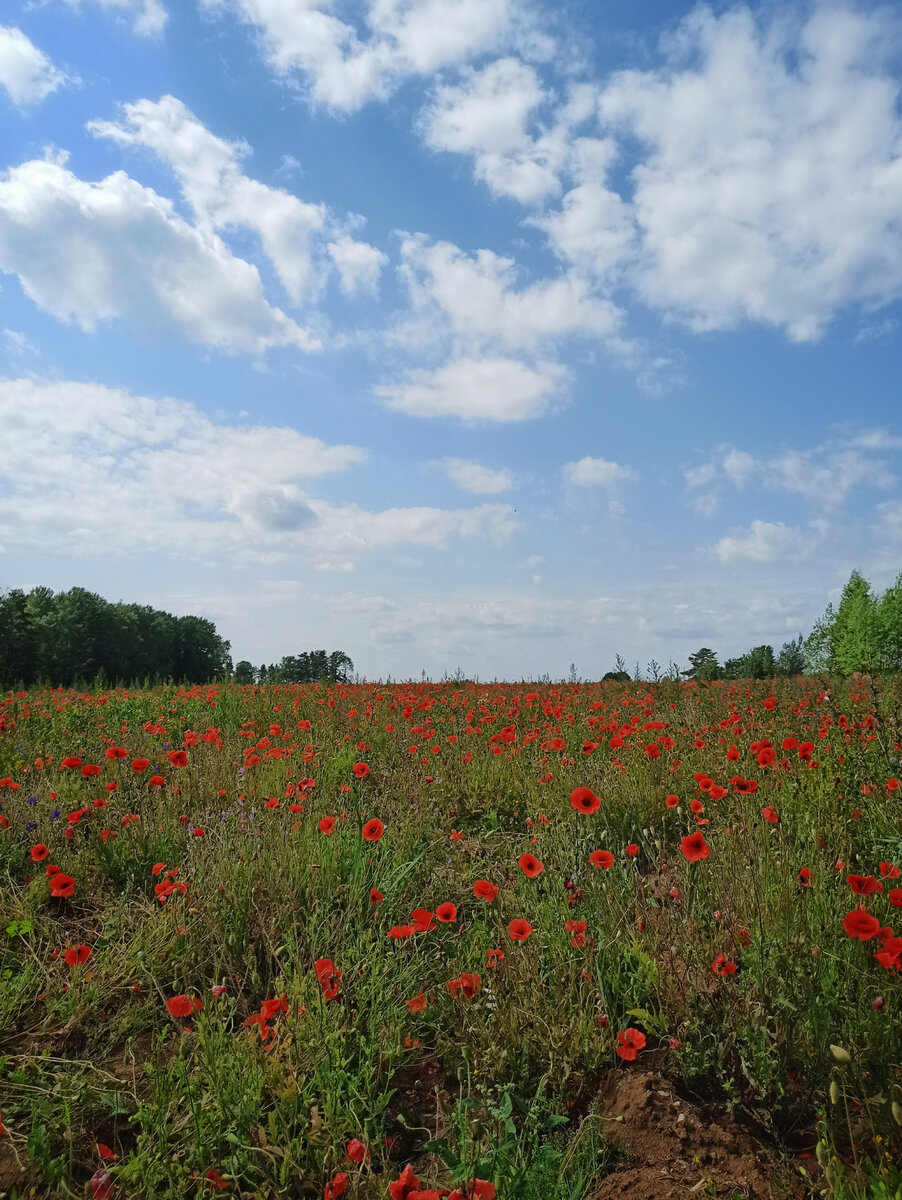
x,y
76,956
864,885
183,1006
373,830
62,885
361,770
770,814
694,847
446,912
629,1043
601,859
493,957
530,865
376,896
860,924
632,849
483,890
39,852
519,929
357,1150
721,966
140,764
584,800
326,825
418,1003
804,877
423,920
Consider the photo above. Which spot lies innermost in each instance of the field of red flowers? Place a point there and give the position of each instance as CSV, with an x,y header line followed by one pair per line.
x,y
415,941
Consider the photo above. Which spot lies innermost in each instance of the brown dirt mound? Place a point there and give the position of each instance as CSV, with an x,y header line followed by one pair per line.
x,y
677,1149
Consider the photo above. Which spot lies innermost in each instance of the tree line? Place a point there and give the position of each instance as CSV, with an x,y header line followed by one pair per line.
x,y
312,666
863,633
77,637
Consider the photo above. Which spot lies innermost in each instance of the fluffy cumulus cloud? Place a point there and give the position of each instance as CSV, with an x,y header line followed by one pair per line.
x,y
597,472
477,302
479,389
148,17
499,336
126,473
351,52
209,171
489,115
26,74
823,475
90,252
760,139
762,542
474,477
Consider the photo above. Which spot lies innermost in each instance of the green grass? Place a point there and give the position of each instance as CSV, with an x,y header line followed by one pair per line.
x,y
503,1086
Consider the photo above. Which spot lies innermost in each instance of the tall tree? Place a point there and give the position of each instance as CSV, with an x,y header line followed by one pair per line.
x,y
853,639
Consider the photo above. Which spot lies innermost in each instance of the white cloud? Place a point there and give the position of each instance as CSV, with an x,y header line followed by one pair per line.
x,y
769,180
597,472
209,171
349,62
90,469
17,345
473,477
488,116
762,542
479,389
148,16
359,265
92,252
26,73
824,475
476,301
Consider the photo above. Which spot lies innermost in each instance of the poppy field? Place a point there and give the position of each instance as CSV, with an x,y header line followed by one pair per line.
x,y
452,940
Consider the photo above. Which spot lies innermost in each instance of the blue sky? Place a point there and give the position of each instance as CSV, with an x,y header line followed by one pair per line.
x,y
490,334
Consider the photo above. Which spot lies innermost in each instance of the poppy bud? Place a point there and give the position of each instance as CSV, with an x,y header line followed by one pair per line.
x,y
841,1055
897,1112
834,1092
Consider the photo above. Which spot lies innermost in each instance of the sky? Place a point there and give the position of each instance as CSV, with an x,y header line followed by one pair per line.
x,y
481,335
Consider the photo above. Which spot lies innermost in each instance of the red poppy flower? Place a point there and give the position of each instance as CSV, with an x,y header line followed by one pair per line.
x,y
62,884
423,920
446,912
864,885
373,830
483,890
401,1188
530,865
376,896
90,769
889,871
72,761
804,876
115,752
456,835
895,897
360,769
140,764
178,758
629,1043
602,859
39,852
183,1006
694,847
105,1152
156,781
720,966
401,931
696,806
770,814
493,957
215,1179
632,849
76,956
860,924
671,801
519,929
326,825
357,1150
465,985
584,800
418,1003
